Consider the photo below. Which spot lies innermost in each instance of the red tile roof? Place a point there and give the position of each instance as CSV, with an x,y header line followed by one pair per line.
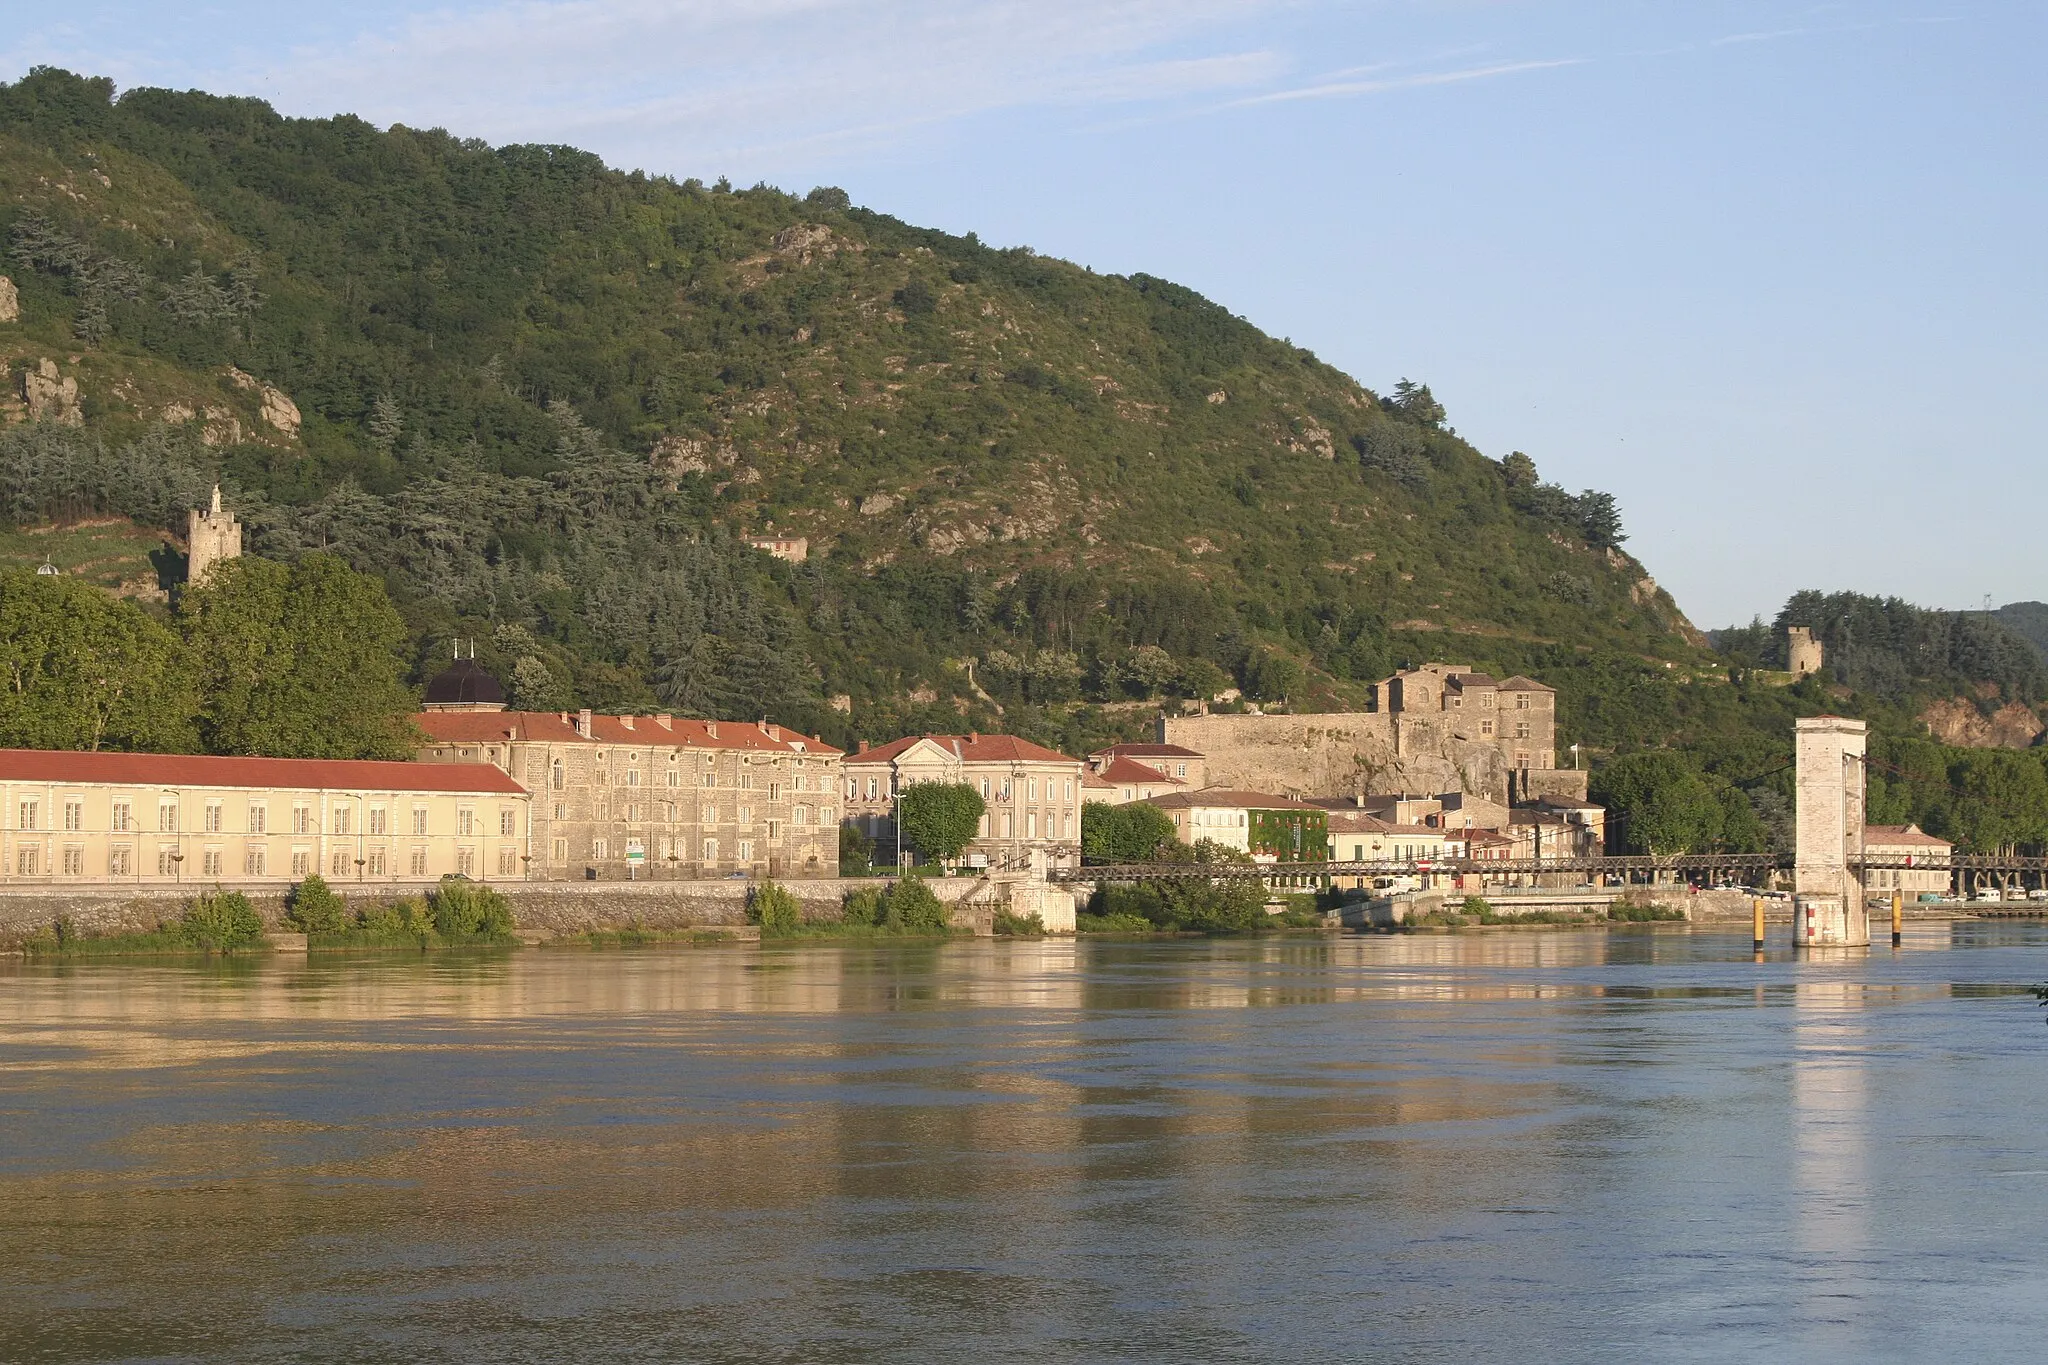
x,y
1130,770
201,770
1090,782
1228,798
1901,836
483,727
1147,751
969,749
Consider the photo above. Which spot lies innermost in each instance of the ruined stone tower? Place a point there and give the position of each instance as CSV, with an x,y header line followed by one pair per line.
x,y
1803,654
210,537
1828,909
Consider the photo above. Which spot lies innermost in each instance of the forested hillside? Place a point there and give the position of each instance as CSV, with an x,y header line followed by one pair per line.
x,y
546,401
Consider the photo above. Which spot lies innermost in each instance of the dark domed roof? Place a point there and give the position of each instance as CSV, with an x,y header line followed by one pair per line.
x,y
464,684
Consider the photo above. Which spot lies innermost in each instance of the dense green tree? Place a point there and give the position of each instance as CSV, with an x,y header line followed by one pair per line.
x,y
80,670
1131,833
911,907
1658,803
940,819
297,661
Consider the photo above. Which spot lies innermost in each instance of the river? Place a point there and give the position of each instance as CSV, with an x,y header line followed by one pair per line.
x,y
1517,1146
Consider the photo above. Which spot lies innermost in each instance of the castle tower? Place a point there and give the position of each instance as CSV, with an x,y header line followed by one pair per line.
x,y
1803,654
210,537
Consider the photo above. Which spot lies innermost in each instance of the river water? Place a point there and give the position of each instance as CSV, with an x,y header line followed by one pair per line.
x,y
1576,1145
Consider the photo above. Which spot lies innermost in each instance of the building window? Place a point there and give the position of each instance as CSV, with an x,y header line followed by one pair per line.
x,y
1485,727
167,817
419,820
710,779
746,850
1521,701
800,815
824,815
774,791
209,863
745,816
561,811
711,850
376,862
599,848
508,861
633,777
871,789
508,822
711,815
418,863
302,862
339,865
167,862
465,861
28,815
1180,770
302,820
774,830
465,823
675,779
74,861
117,861
380,820
74,815
1522,729
212,820
1031,824
344,820
556,777
252,860
258,817
559,851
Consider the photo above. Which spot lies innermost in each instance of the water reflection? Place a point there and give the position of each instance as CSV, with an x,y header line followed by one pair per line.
x,y
1581,1145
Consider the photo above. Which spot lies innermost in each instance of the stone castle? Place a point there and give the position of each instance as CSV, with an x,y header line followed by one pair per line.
x,y
210,537
1441,727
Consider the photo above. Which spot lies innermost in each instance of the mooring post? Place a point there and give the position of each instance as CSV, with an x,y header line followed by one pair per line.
x,y
1898,917
1756,914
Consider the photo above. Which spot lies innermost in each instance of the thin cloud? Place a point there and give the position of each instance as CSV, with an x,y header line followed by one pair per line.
x,y
1347,89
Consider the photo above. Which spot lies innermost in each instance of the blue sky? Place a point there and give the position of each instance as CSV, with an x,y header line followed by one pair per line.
x,y
1770,272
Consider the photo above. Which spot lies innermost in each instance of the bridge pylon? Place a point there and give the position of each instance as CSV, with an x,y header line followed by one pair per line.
x,y
1828,907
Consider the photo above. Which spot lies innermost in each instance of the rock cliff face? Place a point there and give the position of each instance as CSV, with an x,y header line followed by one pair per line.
x,y
10,301
1955,721
51,396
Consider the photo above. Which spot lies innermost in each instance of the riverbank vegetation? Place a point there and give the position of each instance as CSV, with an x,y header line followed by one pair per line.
x,y
905,908
216,922
457,913
1476,912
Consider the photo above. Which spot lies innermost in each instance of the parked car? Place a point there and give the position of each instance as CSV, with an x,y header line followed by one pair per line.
x,y
2039,893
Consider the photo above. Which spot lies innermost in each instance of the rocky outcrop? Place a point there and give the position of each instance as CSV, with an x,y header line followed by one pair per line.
x,y
278,410
50,396
1956,722
10,301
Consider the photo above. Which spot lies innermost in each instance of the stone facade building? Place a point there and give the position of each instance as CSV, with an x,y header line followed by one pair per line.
x,y
210,537
1438,728
111,819
1033,794
640,797
1929,874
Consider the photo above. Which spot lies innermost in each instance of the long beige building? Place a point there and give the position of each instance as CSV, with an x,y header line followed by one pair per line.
x,y
639,797
167,819
1033,794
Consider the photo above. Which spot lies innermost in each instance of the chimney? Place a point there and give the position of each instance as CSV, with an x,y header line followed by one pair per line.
x,y
974,736
711,729
583,722
762,724
626,721
863,747
665,721
775,732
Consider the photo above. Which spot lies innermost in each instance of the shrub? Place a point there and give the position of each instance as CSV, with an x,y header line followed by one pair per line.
x,y
776,911
409,920
864,905
1020,926
315,909
1630,913
1118,923
468,912
1479,907
221,921
913,909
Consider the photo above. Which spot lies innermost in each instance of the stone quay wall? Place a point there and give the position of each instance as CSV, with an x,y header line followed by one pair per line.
x,y
545,908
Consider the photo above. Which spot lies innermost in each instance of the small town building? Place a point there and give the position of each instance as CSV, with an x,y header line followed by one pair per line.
x,y
795,549
1183,766
115,819
1124,780
1269,828
1033,794
639,797
1928,856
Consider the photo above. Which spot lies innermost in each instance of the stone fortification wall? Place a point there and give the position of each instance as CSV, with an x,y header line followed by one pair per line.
x,y
1335,753
548,908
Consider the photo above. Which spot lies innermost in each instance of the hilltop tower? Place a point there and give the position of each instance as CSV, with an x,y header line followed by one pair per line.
x,y
210,537
1803,654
